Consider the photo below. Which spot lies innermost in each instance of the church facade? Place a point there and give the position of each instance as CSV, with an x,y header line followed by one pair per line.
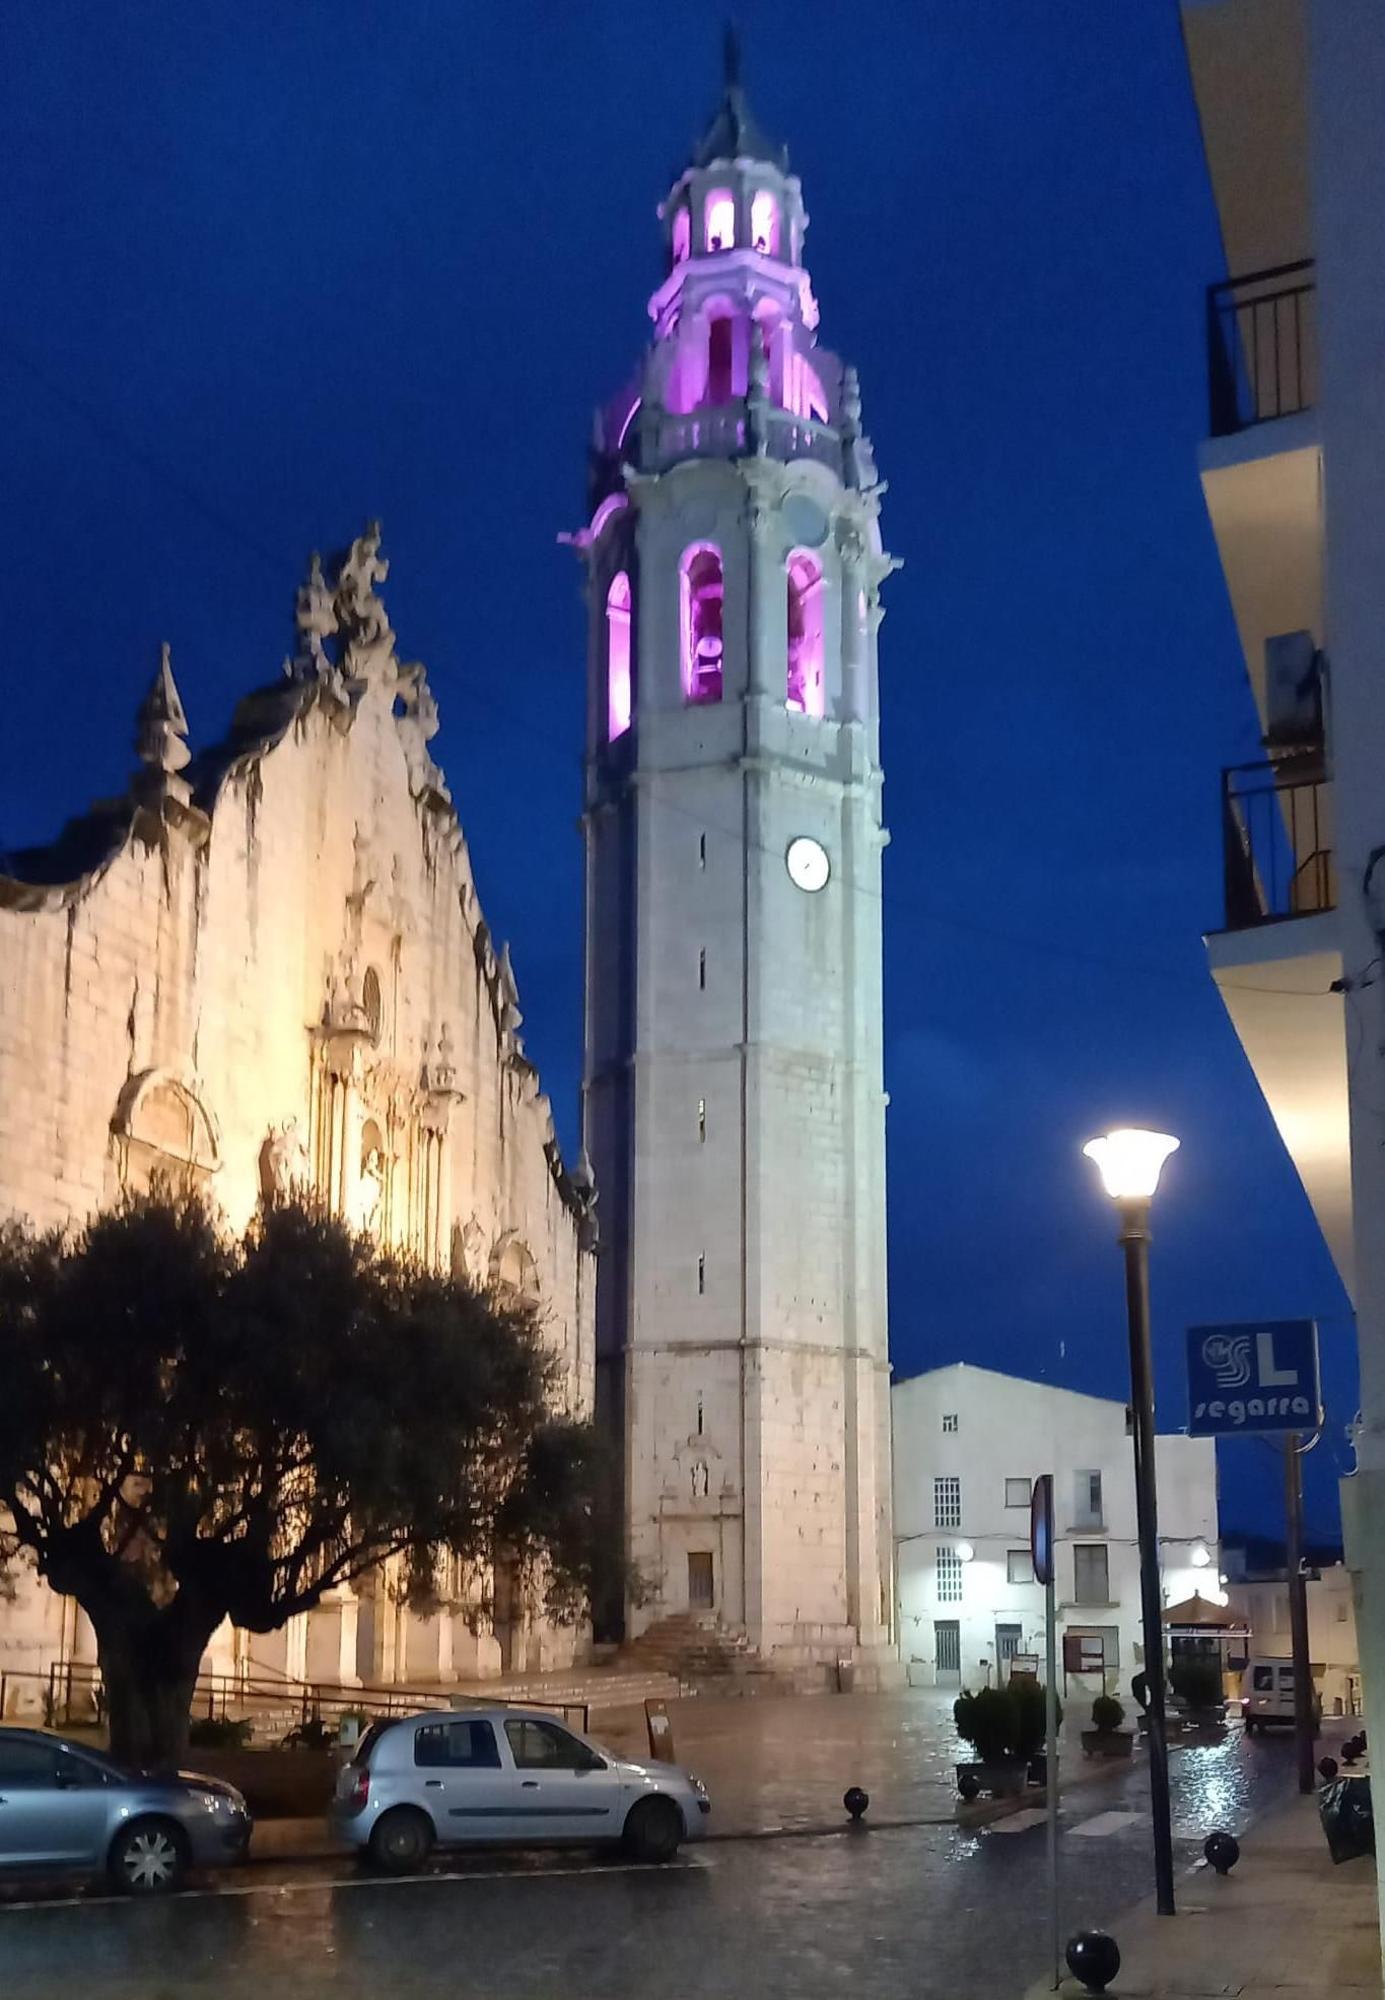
x,y
733,1086
267,966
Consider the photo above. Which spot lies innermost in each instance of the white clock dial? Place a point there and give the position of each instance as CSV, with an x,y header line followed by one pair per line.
x,y
807,863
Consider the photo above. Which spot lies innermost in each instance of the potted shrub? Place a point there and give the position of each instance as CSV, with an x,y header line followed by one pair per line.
x,y
1031,1742
1106,1738
990,1721
1197,1689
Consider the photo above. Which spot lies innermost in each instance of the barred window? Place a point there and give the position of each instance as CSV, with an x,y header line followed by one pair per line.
x,y
949,1577
950,1421
1018,1492
947,1502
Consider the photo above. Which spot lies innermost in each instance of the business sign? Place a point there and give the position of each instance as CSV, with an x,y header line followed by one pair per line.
x,y
1261,1376
1041,1528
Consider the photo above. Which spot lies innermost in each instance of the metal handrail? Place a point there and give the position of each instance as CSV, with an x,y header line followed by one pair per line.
x,y
1277,842
1261,346
216,1694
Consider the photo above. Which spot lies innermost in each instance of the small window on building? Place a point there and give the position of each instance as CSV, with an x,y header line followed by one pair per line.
x,y
702,850
949,1577
701,1275
1090,1573
1019,1566
949,1421
1087,1501
1018,1492
682,234
947,1502
618,656
701,594
805,691
702,1121
764,223
702,970
721,220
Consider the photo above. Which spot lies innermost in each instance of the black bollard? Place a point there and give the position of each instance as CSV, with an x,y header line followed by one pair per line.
x,y
1223,1850
1094,1958
1327,1767
969,1786
855,1801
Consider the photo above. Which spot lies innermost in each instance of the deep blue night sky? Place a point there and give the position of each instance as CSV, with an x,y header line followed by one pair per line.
x,y
273,267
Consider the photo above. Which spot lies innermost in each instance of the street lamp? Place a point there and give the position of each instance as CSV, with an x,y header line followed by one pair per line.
x,y
1129,1163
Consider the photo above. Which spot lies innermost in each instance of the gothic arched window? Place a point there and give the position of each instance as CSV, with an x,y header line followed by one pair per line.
x,y
721,333
804,687
764,223
721,220
682,234
373,1002
618,656
701,592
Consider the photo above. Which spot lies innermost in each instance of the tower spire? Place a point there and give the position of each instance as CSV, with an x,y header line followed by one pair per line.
x,y
731,57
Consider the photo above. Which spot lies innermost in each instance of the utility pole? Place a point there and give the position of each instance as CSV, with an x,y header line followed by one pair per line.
x,y
1304,1728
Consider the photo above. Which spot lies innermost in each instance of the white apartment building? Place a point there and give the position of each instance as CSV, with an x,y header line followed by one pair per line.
x,y
968,1446
1289,95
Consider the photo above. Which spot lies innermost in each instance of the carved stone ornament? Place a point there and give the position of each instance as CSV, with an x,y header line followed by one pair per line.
x,y
161,725
284,1164
361,616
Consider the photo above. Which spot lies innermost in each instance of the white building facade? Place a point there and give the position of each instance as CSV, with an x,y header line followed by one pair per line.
x,y
1289,94
968,1445
734,1103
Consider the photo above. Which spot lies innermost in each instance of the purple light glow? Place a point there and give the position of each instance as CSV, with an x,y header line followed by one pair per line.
x,y
700,607
764,223
805,690
721,220
682,235
618,657
612,504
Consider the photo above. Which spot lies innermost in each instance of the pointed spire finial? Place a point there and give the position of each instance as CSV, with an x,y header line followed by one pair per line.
x,y
731,57
161,725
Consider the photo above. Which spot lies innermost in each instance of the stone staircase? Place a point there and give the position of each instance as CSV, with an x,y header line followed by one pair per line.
x,y
702,1653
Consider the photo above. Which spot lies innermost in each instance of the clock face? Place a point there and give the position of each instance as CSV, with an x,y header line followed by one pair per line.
x,y
807,863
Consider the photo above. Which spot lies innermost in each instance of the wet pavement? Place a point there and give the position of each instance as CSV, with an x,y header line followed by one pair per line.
x,y
914,1910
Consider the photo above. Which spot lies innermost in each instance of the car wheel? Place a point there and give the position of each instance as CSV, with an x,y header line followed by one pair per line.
x,y
654,1830
149,1858
401,1841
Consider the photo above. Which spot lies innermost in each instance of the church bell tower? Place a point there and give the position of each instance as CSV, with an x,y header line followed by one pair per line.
x,y
733,1100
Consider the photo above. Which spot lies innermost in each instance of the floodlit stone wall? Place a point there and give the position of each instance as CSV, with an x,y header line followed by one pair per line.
x,y
268,966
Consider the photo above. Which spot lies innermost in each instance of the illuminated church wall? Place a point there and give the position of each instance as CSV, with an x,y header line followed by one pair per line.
x,y
267,965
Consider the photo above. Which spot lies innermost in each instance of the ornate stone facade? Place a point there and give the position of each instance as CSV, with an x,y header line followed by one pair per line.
x,y
266,966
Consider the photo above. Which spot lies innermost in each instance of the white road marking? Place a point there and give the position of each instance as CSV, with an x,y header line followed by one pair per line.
x,y
354,1881
1020,1822
1104,1823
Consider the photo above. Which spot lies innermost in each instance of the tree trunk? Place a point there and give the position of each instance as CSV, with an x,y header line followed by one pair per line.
x,y
149,1673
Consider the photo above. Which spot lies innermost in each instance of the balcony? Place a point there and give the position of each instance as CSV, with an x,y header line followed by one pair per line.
x,y
1262,347
1277,847
732,430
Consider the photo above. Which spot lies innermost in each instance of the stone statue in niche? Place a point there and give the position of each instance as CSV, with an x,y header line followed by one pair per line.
x,y
700,1479
372,1187
284,1164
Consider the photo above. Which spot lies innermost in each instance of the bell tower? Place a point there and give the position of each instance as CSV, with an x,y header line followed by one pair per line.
x,y
733,1101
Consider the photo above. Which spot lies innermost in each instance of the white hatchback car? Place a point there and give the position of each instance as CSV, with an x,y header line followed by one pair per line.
x,y
508,1777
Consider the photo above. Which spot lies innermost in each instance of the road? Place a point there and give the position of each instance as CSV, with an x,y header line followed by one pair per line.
x,y
866,1914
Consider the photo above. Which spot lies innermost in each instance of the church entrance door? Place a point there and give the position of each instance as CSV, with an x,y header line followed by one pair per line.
x,y
700,1580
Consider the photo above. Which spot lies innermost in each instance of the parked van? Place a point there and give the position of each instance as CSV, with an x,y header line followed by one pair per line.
x,y
1267,1695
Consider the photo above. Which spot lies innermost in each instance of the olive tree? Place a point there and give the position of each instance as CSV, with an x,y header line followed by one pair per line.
x,y
196,1427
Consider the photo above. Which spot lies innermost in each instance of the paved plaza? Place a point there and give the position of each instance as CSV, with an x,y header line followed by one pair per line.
x,y
905,1909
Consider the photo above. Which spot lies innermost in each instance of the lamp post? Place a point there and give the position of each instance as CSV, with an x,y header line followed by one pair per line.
x,y
1129,1163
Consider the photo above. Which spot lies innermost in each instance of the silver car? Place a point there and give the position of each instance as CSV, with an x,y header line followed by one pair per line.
x,y
67,1810
509,1777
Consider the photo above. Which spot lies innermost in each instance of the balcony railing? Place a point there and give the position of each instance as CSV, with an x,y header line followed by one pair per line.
x,y
1262,347
1277,843
728,430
